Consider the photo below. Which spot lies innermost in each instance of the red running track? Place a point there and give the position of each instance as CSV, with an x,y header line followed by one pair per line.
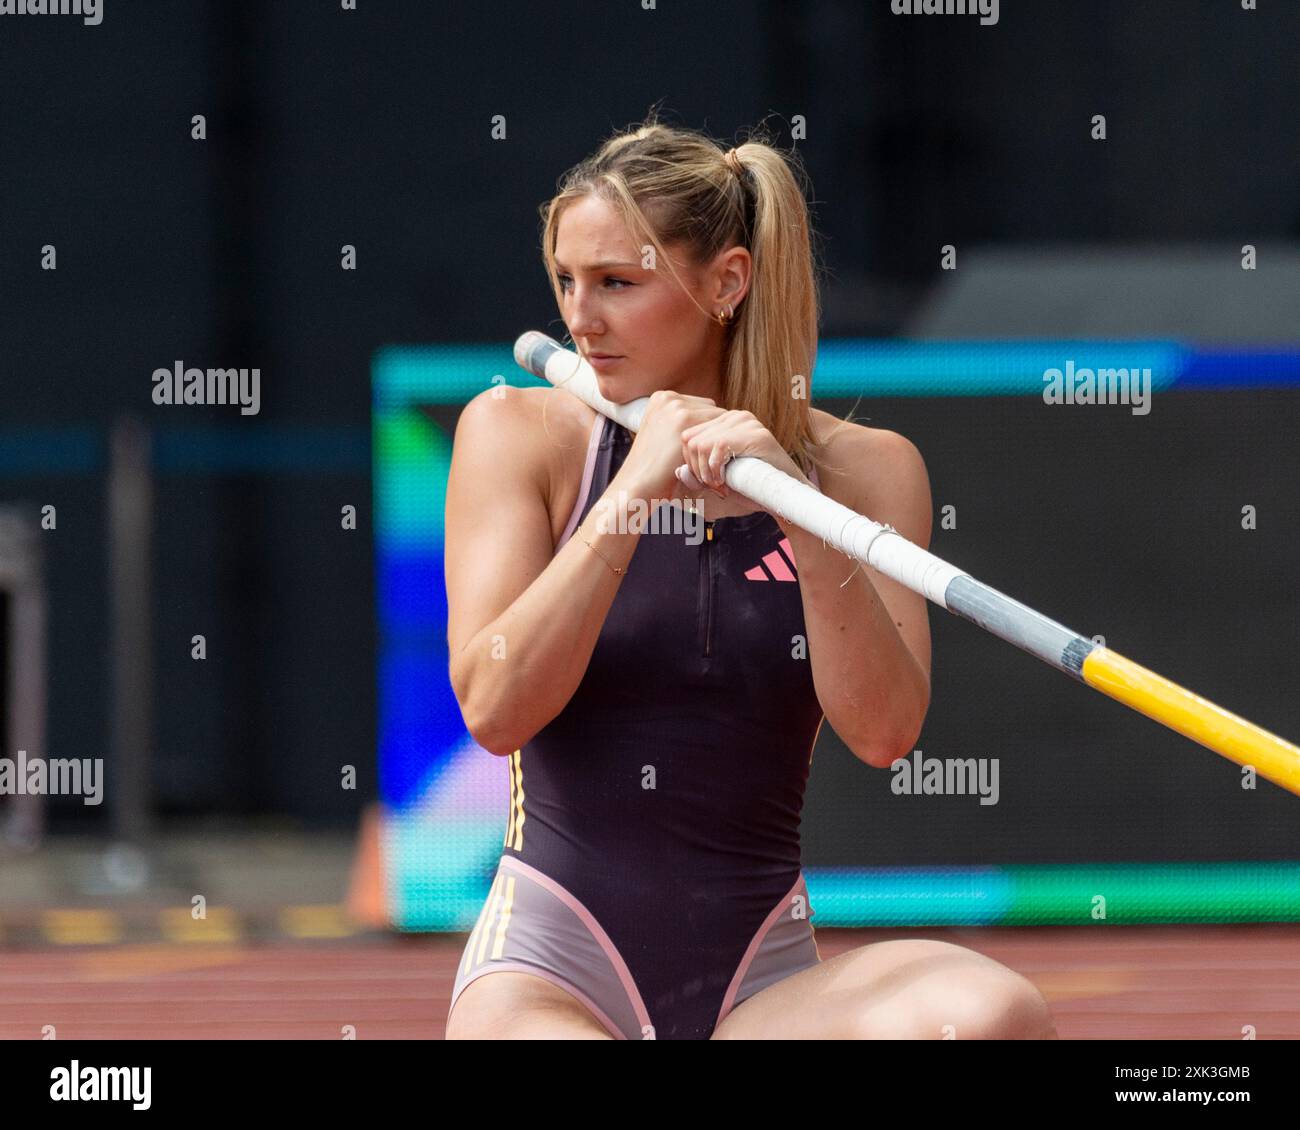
x,y
1127,982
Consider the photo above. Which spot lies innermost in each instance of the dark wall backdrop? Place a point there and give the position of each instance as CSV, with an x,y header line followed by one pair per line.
x,y
371,127
1125,526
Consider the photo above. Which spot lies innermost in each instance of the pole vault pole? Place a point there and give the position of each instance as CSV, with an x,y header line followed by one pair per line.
x,y
888,552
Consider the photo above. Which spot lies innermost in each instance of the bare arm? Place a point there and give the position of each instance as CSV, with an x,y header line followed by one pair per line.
x,y
869,640
521,623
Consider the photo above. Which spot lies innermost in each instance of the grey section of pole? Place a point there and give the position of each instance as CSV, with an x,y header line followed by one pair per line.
x,y
130,581
533,349
22,577
1019,624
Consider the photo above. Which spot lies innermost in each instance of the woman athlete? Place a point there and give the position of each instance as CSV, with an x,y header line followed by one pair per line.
x,y
659,696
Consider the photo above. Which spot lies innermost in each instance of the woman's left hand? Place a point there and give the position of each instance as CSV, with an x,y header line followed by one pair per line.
x,y
709,446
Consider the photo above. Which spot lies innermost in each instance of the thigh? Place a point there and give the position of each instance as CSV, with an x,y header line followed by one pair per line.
x,y
908,989
509,1005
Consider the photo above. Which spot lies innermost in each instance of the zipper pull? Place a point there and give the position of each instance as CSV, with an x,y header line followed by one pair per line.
x,y
708,530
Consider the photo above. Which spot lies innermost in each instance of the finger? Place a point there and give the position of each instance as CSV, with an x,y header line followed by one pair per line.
x,y
706,467
718,460
692,459
687,478
716,450
697,448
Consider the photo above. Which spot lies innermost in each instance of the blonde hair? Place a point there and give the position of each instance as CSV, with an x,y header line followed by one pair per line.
x,y
674,186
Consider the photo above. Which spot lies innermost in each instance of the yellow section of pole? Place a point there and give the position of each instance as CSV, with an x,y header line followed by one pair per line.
x,y
1194,717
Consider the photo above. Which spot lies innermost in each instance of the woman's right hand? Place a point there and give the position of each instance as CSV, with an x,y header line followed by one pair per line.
x,y
650,469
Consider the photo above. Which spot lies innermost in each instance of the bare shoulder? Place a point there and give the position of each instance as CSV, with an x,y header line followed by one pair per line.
x,y
864,463
537,425
877,472
534,435
519,412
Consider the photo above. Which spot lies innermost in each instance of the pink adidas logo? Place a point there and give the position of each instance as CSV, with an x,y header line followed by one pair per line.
x,y
781,571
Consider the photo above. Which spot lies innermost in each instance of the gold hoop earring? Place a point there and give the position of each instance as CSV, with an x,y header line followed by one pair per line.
x,y
726,319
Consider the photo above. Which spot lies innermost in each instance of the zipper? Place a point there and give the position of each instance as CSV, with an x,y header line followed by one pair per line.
x,y
708,590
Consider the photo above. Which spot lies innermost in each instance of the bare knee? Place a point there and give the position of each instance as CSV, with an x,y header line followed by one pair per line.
x,y
988,1004
1005,1006
970,998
